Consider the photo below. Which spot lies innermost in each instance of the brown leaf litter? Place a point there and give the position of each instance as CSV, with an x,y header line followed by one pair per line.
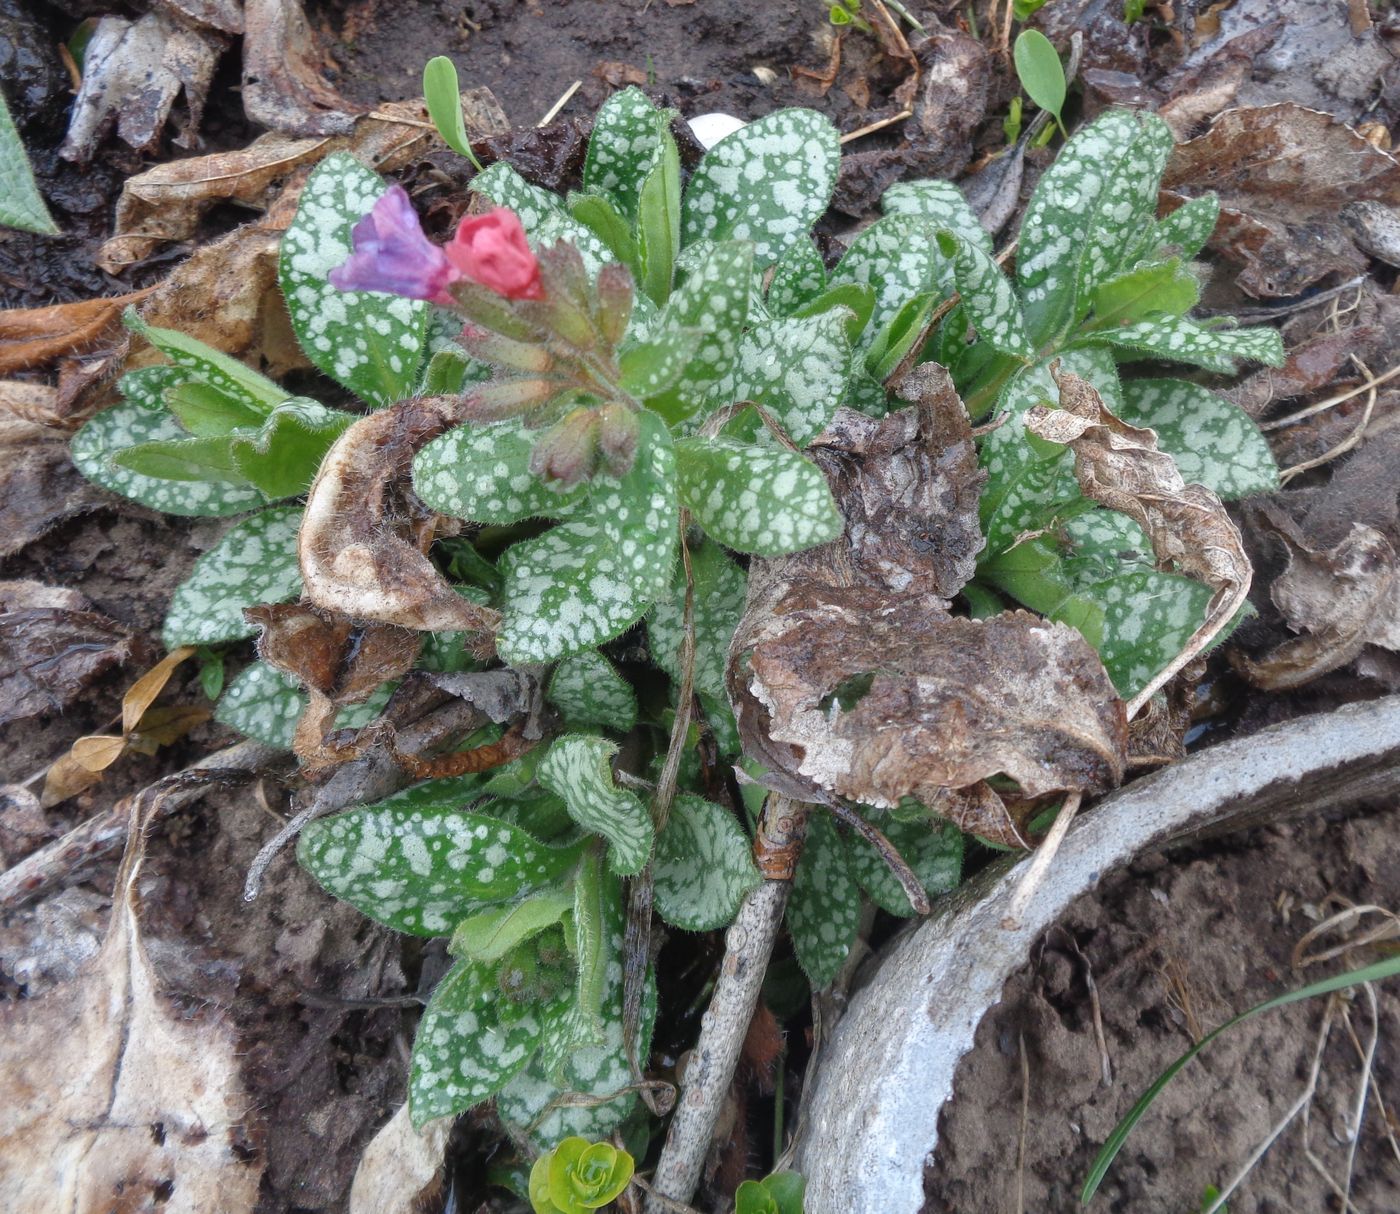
x,y
39,486
851,678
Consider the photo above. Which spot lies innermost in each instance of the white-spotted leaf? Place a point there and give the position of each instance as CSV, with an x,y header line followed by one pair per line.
x,y
824,911
1185,231
704,866
623,148
943,205
482,472
898,258
207,365
720,588
988,299
419,862
768,182
255,562
1178,339
797,279
578,768
933,849
264,704
21,204
370,343
588,692
755,499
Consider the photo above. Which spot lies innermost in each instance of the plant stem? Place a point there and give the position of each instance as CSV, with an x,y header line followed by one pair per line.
x,y
748,945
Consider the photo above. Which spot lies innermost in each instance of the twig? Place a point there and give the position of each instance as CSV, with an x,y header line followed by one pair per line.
x,y
554,109
872,127
106,833
1341,448
1341,398
748,945
913,888
1298,305
1040,864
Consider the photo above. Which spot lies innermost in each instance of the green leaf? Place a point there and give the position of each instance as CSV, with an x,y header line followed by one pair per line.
x,y
624,148
255,562
1185,231
798,278
768,182
659,221
1158,287
704,866
593,893
444,100
264,704
594,576
754,499
987,298
780,1193
136,422
210,366
649,368
1181,340
1214,442
893,340
588,691
1085,215
720,589
463,1052
204,411
713,300
797,368
1337,982
182,459
420,863
482,473
933,849
369,342
1040,71
579,769
824,911
601,217
282,458
489,935
943,206
898,258
21,204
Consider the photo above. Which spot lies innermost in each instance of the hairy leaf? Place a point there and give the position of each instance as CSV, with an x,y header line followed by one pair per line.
x,y
703,867
1146,290
623,148
281,458
209,366
943,205
21,204
1181,340
899,259
798,279
719,603
578,768
987,298
588,691
489,935
934,850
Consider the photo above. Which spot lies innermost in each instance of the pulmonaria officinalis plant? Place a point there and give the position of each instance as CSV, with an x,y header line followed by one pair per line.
x,y
586,412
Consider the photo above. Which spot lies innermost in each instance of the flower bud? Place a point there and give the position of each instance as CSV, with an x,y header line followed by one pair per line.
x,y
618,429
568,451
491,249
504,351
614,302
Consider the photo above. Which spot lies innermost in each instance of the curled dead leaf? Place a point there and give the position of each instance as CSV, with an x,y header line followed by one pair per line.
x,y
1120,466
34,337
1341,600
364,534
282,86
39,486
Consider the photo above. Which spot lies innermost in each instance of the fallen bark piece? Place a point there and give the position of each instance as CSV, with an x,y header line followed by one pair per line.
x,y
869,1123
401,1168
1120,466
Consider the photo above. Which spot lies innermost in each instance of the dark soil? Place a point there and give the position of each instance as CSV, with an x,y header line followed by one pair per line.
x,y
1174,946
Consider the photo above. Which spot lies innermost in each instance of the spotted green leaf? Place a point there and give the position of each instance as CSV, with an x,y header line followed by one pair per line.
x,y
987,298
798,368
209,366
1185,231
623,148
419,862
1178,339
899,259
704,866
649,368
482,473
578,768
264,704
768,182
464,1052
588,692
595,575
533,1101
798,279
943,205
1214,442
595,896
824,910
255,562
755,499
1145,290
934,850
142,418
370,343
1085,215
720,588
713,300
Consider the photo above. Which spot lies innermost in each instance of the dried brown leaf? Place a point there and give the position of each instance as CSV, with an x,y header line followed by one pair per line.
x,y
1283,173
39,486
1119,466
401,1168
53,647
364,535
132,74
1341,600
143,692
282,85
92,1069
34,337
166,724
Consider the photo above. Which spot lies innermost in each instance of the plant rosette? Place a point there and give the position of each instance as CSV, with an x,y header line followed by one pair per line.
x,y
578,1176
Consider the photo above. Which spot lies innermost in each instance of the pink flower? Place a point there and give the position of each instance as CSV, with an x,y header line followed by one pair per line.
x,y
392,255
490,249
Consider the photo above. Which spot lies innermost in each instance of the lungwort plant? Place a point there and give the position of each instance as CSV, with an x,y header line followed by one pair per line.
x,y
603,402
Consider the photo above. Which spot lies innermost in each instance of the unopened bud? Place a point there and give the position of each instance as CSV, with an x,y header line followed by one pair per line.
x,y
505,352
568,451
618,430
614,302
497,399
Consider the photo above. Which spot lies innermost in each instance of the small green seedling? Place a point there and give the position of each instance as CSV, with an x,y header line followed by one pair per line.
x,y
847,12
1041,73
444,101
780,1193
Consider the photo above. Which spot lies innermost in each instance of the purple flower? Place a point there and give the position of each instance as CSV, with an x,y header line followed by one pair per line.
x,y
392,255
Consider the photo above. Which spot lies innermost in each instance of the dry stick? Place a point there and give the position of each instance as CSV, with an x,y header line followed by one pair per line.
x,y
1025,1120
106,833
1368,1058
1040,865
1332,401
748,945
1341,448
560,104
913,888
872,127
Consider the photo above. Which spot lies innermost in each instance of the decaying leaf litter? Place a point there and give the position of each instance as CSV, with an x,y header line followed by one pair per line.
x,y
1202,75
